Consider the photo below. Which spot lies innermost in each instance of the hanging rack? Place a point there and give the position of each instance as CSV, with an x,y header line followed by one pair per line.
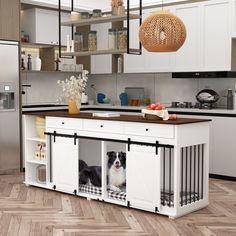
x,y
138,52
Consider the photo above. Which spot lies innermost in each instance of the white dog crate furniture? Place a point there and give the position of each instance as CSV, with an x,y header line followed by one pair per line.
x,y
166,161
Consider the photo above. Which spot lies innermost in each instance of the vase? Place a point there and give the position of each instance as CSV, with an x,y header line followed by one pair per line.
x,y
37,64
72,107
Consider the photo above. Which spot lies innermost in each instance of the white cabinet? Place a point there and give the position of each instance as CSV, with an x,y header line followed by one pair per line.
x,y
217,35
188,57
65,155
101,64
43,26
222,144
161,61
143,187
134,63
234,18
223,148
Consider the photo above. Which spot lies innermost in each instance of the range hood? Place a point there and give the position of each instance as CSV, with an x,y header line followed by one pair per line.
x,y
205,74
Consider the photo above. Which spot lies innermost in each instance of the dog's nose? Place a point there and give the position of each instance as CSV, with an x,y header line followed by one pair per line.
x,y
117,163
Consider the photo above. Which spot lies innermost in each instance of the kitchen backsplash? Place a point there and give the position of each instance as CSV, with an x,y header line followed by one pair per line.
x,y
158,87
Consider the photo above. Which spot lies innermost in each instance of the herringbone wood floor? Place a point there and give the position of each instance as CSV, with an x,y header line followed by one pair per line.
x,y
33,211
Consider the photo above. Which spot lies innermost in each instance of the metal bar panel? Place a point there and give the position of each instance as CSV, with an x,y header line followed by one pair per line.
x,y
202,170
164,174
170,177
182,175
186,177
194,174
190,179
198,175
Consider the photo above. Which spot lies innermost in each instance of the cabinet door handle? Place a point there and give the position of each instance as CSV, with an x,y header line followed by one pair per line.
x,y
63,123
101,126
147,129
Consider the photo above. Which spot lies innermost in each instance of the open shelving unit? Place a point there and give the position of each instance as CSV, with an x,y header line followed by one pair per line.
x,y
49,71
100,20
31,141
75,24
99,52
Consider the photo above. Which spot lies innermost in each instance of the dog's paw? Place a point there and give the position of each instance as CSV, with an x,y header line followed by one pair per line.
x,y
114,188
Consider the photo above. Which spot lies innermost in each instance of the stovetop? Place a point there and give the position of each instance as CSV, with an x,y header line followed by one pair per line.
x,y
196,105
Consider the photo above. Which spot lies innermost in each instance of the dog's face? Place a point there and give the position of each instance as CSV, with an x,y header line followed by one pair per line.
x,y
116,159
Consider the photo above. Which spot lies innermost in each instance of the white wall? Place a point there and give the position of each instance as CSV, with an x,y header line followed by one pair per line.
x,y
158,87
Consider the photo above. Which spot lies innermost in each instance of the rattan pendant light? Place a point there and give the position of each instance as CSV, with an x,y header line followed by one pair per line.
x,y
162,32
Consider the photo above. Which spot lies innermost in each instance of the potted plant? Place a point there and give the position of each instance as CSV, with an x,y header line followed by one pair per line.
x,y
72,89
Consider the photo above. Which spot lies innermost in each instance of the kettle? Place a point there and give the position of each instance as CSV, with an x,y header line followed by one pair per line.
x,y
84,98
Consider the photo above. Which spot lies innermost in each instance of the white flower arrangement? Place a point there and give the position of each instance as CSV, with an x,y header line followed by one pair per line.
x,y
73,87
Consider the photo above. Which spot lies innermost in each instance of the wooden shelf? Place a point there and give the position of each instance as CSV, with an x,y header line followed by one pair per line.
x,y
39,45
99,20
44,71
36,140
37,162
99,52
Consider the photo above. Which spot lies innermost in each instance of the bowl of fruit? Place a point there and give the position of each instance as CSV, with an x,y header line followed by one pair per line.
x,y
155,111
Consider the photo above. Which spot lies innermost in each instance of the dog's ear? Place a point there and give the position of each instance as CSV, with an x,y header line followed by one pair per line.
x,y
109,153
123,154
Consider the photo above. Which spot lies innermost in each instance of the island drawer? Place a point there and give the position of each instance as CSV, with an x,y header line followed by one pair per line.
x,y
64,123
151,130
104,126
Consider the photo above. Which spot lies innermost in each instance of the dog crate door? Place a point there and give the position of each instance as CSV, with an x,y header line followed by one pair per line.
x,y
143,177
65,164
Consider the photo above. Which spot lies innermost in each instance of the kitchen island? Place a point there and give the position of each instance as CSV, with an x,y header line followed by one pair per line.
x,y
166,161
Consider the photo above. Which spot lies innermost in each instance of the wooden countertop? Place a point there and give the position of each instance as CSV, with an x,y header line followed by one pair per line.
x,y
127,118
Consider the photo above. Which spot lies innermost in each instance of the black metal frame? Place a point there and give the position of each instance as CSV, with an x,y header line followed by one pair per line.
x,y
75,136
128,27
194,168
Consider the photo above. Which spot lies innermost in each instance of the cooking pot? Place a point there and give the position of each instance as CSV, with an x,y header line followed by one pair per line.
x,y
207,96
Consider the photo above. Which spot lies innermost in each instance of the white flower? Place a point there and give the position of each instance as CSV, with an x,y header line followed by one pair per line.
x,y
73,87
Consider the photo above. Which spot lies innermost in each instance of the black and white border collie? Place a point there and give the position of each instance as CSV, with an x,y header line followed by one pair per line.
x,y
116,170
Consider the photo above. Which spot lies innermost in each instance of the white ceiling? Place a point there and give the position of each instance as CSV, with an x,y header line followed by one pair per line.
x,y
101,4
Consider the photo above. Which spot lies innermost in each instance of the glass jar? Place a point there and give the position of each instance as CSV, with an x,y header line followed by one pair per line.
x,y
92,41
41,174
112,42
78,42
84,15
97,13
122,39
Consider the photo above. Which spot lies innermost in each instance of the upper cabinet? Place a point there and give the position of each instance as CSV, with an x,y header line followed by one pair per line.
x,y
148,61
188,57
208,47
234,18
9,20
217,19
42,26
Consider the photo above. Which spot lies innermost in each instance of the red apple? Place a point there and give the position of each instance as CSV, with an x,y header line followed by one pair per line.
x,y
173,117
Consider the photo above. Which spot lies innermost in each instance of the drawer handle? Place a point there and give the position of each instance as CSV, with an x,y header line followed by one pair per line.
x,y
147,129
63,123
101,126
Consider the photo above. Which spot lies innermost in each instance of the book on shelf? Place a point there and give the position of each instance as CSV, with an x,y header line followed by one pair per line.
x,y
106,114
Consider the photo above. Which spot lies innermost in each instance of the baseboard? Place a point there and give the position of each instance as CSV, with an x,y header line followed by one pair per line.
x,y
224,177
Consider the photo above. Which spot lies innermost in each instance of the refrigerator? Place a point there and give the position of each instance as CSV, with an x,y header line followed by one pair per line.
x,y
10,151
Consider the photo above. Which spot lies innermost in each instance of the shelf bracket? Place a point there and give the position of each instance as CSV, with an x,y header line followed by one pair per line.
x,y
157,146
129,142
54,136
75,137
